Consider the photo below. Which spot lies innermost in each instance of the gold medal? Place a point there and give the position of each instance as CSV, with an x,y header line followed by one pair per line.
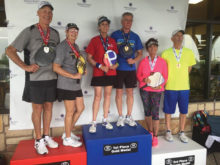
x,y
126,48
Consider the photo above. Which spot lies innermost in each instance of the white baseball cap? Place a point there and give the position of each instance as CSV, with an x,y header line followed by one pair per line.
x,y
176,31
45,3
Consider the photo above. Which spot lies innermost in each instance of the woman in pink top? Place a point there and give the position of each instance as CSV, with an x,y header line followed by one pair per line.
x,y
151,95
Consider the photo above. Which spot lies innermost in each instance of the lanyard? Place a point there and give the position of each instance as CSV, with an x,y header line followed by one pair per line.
x,y
180,53
45,38
126,39
105,44
73,49
152,64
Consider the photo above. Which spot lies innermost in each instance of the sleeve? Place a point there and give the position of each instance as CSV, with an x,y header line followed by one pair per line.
x,y
165,72
192,60
21,41
91,48
139,45
59,55
140,75
58,40
113,36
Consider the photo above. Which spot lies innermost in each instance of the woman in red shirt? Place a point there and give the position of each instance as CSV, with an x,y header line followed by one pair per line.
x,y
103,76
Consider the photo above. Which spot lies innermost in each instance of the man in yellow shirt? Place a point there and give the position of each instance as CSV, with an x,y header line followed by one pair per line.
x,y
180,61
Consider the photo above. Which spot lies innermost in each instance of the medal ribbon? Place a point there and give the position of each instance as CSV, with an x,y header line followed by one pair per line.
x,y
45,38
73,49
126,39
180,53
152,65
105,44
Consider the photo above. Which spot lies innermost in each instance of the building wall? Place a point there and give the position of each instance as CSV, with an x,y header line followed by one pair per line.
x,y
10,139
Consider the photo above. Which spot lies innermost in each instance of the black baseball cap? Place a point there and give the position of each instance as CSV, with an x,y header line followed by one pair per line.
x,y
71,25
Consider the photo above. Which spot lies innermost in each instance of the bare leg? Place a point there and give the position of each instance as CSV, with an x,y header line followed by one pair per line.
x,y
107,99
79,109
47,116
69,106
36,118
182,121
118,100
167,119
156,127
130,100
149,123
96,102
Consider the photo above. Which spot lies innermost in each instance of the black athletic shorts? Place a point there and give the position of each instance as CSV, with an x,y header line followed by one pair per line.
x,y
63,94
39,92
103,81
126,77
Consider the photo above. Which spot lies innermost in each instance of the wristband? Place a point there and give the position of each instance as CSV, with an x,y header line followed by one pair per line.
x,y
98,65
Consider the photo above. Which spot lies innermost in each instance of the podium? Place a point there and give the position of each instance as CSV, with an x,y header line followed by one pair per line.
x,y
178,153
25,154
122,145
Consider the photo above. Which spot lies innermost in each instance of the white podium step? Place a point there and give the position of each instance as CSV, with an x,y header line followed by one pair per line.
x,y
178,153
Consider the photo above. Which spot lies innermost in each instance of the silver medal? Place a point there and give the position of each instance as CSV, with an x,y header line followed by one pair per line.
x,y
46,49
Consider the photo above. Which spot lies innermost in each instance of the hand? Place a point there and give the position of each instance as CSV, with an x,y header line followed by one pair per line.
x,y
104,68
156,88
113,67
31,68
130,61
147,80
77,76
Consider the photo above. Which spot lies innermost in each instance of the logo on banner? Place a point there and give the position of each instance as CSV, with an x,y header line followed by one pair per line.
x,y
130,7
58,25
112,149
84,3
150,30
87,94
60,118
189,160
12,122
31,1
172,9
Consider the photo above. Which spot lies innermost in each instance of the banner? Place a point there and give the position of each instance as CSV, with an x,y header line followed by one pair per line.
x,y
152,18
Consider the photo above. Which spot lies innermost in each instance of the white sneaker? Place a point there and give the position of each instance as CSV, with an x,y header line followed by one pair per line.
x,y
50,142
72,136
120,122
40,147
128,120
107,125
71,142
169,136
183,138
92,128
